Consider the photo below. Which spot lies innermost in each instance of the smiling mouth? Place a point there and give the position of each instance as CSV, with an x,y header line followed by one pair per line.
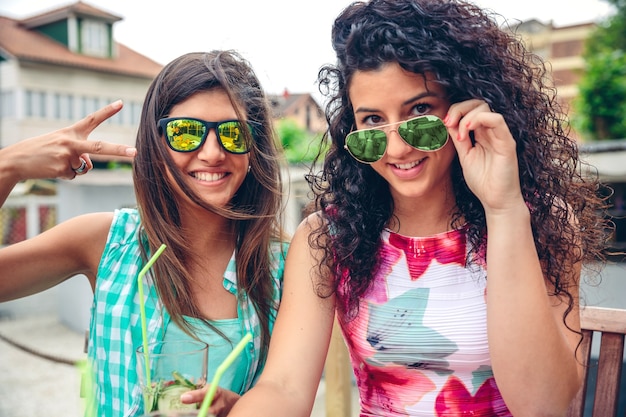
x,y
409,165
208,176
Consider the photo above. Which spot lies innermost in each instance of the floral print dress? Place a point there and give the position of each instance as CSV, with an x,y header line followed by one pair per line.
x,y
419,345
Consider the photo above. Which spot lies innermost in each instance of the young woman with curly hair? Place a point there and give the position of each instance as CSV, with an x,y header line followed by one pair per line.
x,y
453,224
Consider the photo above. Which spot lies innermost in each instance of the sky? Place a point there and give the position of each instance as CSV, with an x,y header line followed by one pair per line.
x,y
286,41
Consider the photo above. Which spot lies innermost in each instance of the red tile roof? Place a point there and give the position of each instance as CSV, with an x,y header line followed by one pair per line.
x,y
76,9
286,103
19,42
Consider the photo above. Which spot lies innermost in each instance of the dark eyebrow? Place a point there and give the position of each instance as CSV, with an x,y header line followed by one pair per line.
x,y
406,102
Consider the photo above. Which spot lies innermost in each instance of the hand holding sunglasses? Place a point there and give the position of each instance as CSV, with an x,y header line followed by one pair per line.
x,y
425,133
187,134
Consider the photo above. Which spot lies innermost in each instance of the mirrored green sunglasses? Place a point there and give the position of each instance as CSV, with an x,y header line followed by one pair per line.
x,y
187,134
425,133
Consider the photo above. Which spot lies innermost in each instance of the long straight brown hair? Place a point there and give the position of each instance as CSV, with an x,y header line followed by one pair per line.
x,y
256,209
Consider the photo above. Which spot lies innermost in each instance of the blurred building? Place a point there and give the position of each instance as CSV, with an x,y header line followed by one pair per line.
x,y
562,47
301,108
58,66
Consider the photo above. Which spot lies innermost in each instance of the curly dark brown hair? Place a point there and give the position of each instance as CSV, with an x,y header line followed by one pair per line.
x,y
471,56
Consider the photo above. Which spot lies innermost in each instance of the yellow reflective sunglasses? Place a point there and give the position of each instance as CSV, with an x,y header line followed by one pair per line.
x,y
187,134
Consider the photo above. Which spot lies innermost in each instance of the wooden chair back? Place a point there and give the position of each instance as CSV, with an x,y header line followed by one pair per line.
x,y
338,376
610,324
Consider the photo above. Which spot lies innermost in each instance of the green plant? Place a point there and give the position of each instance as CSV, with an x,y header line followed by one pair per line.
x,y
299,145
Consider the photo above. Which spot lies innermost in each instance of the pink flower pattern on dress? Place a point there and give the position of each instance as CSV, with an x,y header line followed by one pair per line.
x,y
421,252
389,257
388,386
393,388
454,400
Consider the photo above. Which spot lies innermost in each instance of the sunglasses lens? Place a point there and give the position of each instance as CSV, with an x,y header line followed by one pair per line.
x,y
426,133
185,135
232,136
367,145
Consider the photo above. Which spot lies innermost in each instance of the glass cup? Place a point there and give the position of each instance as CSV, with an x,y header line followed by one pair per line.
x,y
175,367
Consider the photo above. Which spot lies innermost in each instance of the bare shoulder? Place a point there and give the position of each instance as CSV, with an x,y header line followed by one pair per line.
x,y
309,236
87,225
95,221
307,255
91,231
311,223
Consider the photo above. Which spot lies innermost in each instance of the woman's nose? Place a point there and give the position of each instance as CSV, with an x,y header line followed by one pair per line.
x,y
396,146
211,150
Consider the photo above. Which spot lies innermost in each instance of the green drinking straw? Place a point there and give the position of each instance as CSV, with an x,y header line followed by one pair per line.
x,y
142,308
87,387
208,398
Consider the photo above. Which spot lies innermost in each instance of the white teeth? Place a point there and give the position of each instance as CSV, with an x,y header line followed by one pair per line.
x,y
407,166
207,176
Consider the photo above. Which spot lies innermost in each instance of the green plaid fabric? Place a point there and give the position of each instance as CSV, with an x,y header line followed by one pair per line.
x,y
115,329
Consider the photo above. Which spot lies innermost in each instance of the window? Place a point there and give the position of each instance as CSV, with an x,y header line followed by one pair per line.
x,y
120,117
35,104
63,106
7,104
135,113
95,38
14,225
88,105
569,48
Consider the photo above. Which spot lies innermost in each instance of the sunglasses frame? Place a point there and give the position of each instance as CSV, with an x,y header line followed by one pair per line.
x,y
432,117
162,126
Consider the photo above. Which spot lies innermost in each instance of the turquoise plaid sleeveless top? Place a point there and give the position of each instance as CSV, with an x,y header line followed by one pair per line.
x,y
115,328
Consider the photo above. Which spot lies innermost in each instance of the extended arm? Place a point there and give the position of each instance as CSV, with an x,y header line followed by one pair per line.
x,y
72,247
299,342
532,349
